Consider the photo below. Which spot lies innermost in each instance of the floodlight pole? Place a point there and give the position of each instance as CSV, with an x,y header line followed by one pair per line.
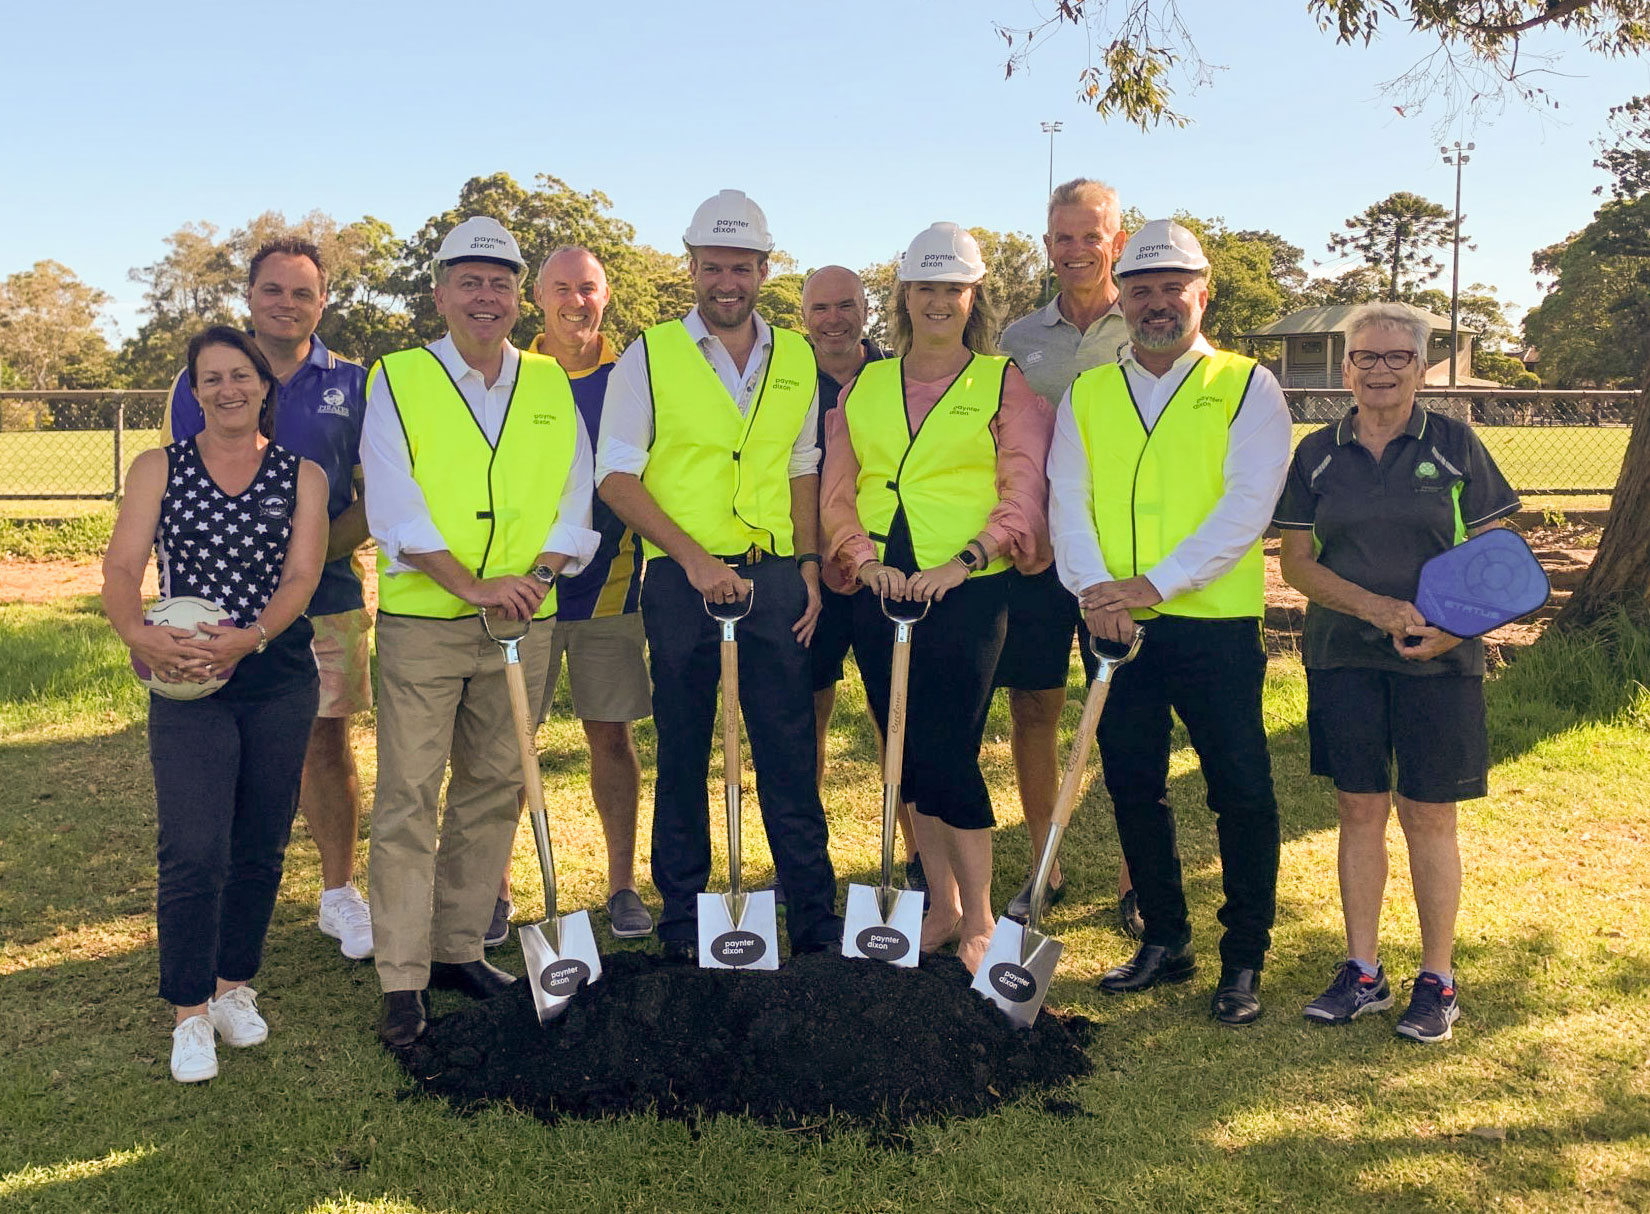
x,y
1455,155
1051,129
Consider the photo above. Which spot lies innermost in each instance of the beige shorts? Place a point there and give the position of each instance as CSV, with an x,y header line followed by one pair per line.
x,y
606,667
340,648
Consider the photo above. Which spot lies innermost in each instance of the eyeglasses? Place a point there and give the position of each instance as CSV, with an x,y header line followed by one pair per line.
x,y
1397,360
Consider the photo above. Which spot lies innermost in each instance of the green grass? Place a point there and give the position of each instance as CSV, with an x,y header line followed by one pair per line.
x,y
79,537
66,461
1551,1051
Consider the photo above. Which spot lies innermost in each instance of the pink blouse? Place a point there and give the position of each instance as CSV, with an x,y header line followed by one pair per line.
x,y
1018,523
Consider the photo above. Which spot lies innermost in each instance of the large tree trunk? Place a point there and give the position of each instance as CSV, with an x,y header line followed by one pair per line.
x,y
1620,573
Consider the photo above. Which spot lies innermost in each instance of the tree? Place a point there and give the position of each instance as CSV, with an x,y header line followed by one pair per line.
x,y
1618,239
1244,291
1360,284
49,335
1396,235
1135,45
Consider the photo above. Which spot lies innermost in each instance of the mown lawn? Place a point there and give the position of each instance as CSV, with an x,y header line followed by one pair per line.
x,y
1542,1101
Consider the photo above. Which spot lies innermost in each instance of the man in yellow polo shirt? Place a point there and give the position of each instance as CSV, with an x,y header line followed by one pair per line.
x,y
1162,477
480,467
709,452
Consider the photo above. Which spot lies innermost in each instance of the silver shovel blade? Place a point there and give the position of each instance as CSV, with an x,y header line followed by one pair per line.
x,y
557,975
749,943
1014,976
866,934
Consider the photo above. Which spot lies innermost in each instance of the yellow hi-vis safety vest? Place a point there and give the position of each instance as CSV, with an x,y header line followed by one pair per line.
x,y
945,475
725,478
493,505
1152,490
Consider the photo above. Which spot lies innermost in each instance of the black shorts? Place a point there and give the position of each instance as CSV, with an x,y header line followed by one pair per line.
x,y
1361,721
832,636
1042,620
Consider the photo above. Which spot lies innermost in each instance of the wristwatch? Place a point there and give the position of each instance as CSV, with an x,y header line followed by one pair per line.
x,y
972,557
543,573
263,637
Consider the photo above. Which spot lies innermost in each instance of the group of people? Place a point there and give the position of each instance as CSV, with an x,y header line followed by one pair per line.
x,y
1111,470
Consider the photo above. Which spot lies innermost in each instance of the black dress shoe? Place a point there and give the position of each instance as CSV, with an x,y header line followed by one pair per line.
x,y
1152,964
402,1022
1237,1001
681,952
477,979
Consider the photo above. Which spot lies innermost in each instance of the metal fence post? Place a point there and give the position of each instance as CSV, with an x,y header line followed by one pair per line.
x,y
120,464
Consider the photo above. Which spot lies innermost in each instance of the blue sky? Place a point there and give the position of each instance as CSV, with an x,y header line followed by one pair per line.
x,y
854,124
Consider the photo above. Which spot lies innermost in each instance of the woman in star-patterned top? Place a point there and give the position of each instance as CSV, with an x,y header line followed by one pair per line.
x,y
239,521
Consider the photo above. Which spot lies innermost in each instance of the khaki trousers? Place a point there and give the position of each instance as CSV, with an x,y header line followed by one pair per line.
x,y
441,694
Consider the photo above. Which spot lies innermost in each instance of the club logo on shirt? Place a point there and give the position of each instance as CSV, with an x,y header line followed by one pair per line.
x,y
332,401
1035,357
272,506
1426,470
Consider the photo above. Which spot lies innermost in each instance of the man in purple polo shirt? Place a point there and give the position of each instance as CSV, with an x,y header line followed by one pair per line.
x,y
322,399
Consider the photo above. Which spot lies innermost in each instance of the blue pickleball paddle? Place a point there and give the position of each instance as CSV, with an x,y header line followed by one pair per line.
x,y
1481,584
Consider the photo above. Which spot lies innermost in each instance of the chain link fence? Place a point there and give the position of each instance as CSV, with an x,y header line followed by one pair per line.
x,y
76,446
1564,442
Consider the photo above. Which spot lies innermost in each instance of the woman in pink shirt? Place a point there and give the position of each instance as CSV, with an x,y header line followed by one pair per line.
x,y
933,485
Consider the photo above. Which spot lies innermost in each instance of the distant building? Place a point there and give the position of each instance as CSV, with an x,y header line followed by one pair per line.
x,y
1313,342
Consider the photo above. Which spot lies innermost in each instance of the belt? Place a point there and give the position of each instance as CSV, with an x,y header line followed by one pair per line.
x,y
750,556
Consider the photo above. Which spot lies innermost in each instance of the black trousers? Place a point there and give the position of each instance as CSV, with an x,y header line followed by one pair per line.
x,y
1211,673
776,702
954,653
226,789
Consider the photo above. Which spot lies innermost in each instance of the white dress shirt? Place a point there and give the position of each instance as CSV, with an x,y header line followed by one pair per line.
x,y
1257,459
397,514
627,409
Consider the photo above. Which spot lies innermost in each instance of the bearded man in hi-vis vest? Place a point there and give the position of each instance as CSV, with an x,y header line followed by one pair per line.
x,y
709,452
1163,474
478,467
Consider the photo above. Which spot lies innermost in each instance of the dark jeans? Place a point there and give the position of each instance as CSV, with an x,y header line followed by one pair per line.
x,y
226,790
1211,673
776,702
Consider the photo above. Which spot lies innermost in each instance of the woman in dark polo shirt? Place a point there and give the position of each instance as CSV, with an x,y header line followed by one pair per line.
x,y
1367,501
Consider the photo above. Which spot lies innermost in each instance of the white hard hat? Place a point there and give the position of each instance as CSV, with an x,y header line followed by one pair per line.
x,y
1161,244
481,238
729,221
942,252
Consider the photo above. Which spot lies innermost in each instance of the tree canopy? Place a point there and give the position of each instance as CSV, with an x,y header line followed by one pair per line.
x,y
1398,236
1138,47
48,330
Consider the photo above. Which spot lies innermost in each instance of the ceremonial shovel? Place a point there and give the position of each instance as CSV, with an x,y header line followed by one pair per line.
x,y
882,923
736,930
1019,963
560,951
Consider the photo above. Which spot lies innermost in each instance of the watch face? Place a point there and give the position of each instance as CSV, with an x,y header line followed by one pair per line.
x,y
544,574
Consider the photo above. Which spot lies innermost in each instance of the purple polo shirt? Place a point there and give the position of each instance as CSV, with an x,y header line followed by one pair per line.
x,y
317,414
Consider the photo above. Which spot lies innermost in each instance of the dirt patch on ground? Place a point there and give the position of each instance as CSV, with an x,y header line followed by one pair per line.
x,y
823,1037
43,581
1566,552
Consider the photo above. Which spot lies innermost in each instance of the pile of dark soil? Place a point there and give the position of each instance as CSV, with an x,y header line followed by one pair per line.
x,y
822,1036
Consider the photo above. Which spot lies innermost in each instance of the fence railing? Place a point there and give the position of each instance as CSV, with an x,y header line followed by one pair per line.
x,y
1544,441
68,446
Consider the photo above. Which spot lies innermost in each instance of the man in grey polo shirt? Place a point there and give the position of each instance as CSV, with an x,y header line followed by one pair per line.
x,y
1081,327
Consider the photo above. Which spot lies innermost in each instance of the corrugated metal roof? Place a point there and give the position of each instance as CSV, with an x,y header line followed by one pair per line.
x,y
1333,320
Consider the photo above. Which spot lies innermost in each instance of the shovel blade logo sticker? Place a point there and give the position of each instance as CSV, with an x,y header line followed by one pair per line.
x,y
1013,982
738,949
883,943
562,978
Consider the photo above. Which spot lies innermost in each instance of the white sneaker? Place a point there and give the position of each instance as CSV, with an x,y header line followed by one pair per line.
x,y
346,917
194,1051
236,1018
